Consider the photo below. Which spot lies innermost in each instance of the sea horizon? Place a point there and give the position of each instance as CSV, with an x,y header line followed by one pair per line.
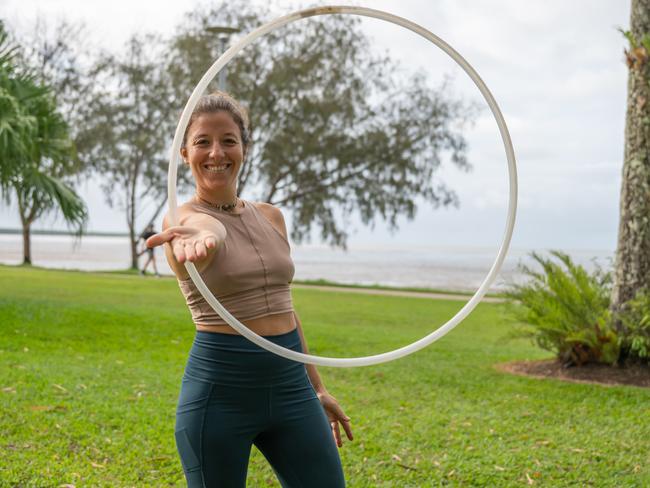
x,y
446,267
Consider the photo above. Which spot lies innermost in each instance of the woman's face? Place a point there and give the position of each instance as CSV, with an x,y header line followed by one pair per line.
x,y
214,152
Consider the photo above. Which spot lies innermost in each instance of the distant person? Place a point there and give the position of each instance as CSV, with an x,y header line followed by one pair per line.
x,y
146,234
235,394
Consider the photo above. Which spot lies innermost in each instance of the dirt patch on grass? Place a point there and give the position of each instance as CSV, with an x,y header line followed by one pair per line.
x,y
592,373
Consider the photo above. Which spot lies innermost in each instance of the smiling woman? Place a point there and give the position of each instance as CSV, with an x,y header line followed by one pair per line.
x,y
231,385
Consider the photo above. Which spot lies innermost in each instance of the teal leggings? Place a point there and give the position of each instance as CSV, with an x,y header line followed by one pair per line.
x,y
235,394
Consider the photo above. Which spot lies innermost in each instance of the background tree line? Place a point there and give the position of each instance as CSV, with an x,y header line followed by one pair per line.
x,y
336,129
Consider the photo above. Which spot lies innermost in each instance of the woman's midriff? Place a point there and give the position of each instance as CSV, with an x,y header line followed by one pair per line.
x,y
268,325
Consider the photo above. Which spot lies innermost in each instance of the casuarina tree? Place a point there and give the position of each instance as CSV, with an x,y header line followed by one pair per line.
x,y
336,129
127,126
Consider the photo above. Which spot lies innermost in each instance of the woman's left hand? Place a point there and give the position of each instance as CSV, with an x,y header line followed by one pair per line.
x,y
335,415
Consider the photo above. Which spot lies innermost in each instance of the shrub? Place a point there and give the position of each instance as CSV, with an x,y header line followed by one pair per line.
x,y
634,335
564,309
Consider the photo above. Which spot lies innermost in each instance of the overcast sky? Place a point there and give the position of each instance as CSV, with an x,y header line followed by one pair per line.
x,y
555,67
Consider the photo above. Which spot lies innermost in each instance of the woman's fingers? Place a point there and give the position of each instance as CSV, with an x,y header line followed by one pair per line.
x,y
337,433
168,234
200,249
188,244
335,415
347,428
160,238
210,242
190,252
345,421
179,251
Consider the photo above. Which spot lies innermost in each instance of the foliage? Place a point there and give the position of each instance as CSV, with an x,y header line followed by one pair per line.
x,y
637,55
108,98
36,152
336,129
17,125
635,331
60,54
564,309
40,185
128,127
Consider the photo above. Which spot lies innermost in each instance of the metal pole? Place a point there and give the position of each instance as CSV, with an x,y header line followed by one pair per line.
x,y
222,74
223,34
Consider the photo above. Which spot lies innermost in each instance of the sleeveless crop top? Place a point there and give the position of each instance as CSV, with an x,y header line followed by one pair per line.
x,y
250,272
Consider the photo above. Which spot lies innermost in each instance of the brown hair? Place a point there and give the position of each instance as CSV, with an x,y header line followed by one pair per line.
x,y
217,102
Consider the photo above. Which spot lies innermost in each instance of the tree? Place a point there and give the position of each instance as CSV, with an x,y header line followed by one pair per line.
x,y
16,124
36,152
127,126
92,90
632,266
335,129
60,55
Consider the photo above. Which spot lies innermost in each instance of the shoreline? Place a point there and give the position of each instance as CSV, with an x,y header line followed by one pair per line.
x,y
58,233
322,284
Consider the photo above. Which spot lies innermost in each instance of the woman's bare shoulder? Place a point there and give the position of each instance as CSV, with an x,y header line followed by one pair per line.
x,y
271,212
273,215
266,207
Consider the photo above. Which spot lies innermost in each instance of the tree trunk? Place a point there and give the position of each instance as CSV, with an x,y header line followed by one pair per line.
x,y
132,237
27,216
134,249
130,219
632,268
131,204
27,243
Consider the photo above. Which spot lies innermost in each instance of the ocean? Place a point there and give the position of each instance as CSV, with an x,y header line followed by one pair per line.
x,y
460,268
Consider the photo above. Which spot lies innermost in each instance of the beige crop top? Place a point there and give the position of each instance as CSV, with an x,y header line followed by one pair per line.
x,y
250,272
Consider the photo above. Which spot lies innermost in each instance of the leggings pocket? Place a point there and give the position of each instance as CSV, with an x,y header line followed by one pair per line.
x,y
188,457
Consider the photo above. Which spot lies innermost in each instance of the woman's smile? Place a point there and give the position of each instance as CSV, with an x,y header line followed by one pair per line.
x,y
217,168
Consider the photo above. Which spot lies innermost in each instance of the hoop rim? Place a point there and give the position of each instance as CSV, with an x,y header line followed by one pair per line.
x,y
174,161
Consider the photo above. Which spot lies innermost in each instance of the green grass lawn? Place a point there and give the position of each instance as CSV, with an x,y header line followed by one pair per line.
x,y
90,369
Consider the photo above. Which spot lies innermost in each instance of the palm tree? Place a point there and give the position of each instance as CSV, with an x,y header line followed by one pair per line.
x,y
15,124
632,270
36,152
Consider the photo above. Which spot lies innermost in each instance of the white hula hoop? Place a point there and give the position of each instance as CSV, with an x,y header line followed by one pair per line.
x,y
175,160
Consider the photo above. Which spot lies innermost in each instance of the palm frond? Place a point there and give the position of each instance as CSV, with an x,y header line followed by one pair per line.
x,y
47,193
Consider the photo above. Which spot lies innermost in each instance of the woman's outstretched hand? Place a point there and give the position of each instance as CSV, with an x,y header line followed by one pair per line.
x,y
335,415
188,243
